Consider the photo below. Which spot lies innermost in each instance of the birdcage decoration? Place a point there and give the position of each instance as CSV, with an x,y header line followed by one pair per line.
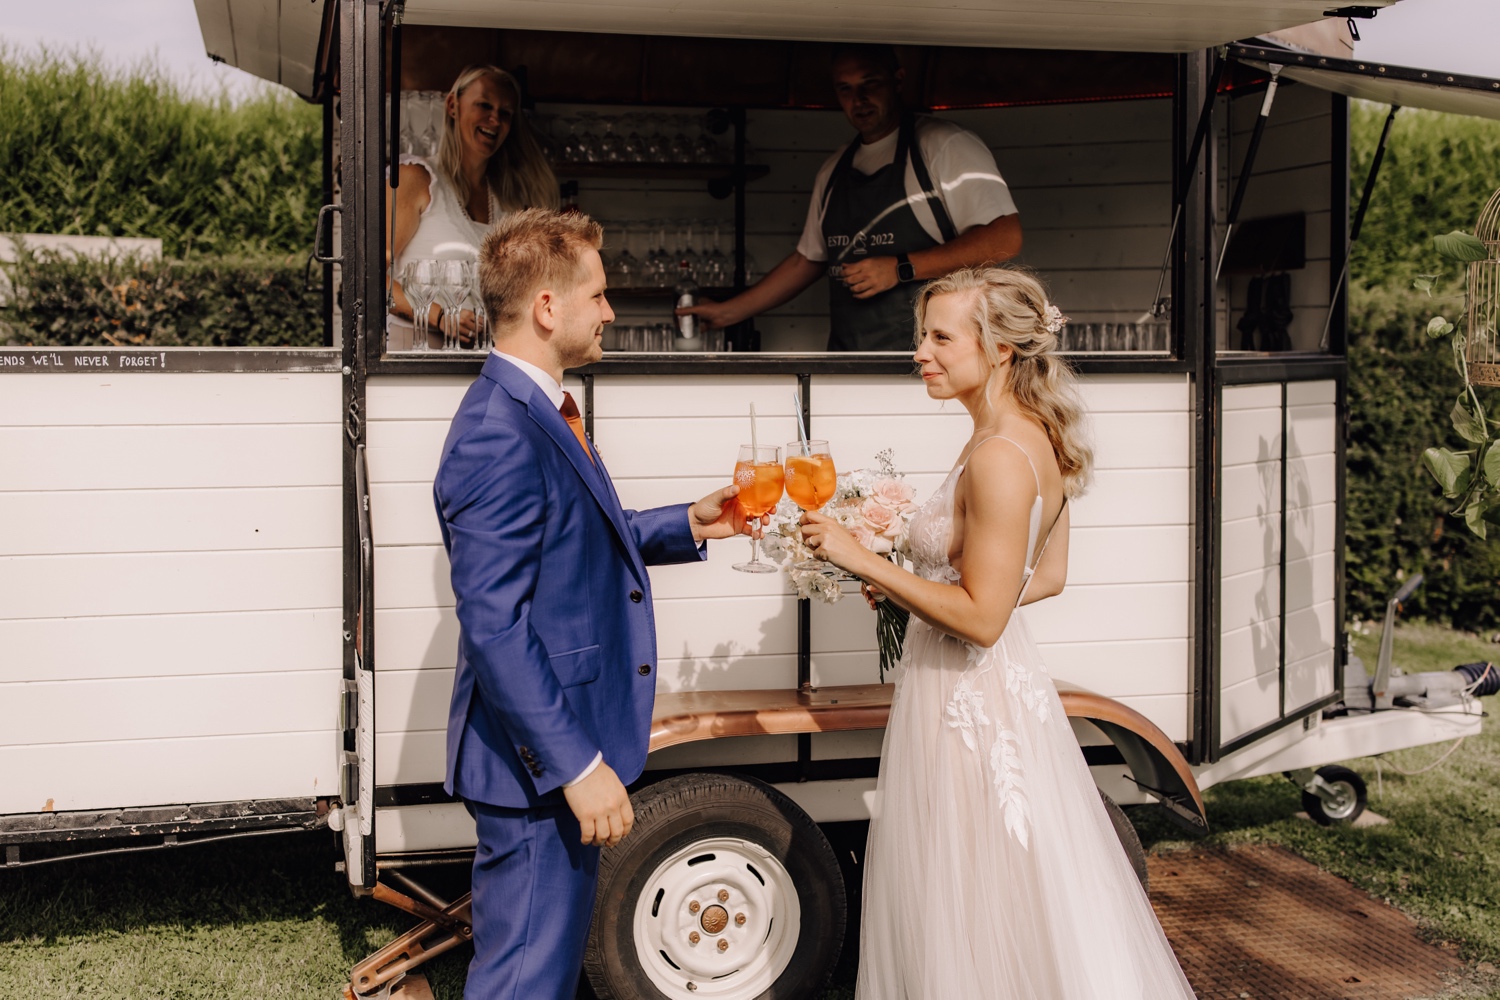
x,y
1482,349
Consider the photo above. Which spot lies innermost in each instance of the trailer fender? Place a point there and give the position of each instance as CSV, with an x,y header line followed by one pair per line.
x,y
684,717
1155,763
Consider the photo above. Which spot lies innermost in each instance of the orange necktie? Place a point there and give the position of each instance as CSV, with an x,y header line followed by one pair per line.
x,y
569,410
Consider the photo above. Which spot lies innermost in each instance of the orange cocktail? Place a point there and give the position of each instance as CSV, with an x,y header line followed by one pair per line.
x,y
761,485
810,476
759,476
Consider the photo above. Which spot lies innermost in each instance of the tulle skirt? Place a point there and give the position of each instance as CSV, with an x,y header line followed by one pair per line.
x,y
993,871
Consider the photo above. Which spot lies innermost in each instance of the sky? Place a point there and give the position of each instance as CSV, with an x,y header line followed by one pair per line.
x,y
1453,35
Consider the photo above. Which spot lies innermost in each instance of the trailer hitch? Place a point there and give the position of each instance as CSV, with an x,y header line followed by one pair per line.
x,y
390,972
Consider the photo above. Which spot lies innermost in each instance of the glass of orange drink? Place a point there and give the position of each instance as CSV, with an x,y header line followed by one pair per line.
x,y
810,479
760,477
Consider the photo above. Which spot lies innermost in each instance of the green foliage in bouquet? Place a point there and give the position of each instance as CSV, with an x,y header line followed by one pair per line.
x,y
63,300
93,151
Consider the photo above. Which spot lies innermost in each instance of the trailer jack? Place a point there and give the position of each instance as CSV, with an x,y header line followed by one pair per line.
x,y
390,973
1330,794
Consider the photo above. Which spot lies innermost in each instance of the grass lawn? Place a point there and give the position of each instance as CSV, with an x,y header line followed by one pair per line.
x,y
269,917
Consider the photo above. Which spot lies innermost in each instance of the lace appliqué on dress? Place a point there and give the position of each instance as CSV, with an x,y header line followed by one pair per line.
x,y
1010,786
966,712
1020,682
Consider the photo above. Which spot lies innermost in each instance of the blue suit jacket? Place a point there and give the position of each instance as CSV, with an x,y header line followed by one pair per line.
x,y
557,643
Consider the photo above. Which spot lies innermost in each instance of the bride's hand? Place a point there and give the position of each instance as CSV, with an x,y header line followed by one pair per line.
x,y
829,541
873,594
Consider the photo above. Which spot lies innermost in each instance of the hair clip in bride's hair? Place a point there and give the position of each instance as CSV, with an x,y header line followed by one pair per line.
x,y
1053,318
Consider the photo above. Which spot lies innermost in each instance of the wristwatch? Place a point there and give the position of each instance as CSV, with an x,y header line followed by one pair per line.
x,y
906,271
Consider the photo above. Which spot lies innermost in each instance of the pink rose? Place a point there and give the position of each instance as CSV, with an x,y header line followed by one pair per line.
x,y
863,535
883,520
892,493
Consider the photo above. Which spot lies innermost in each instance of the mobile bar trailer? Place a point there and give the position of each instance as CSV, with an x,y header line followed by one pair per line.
x,y
225,605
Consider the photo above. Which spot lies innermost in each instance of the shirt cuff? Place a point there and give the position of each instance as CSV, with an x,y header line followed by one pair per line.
x,y
598,759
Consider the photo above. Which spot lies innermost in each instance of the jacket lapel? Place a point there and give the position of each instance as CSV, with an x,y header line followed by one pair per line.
x,y
547,417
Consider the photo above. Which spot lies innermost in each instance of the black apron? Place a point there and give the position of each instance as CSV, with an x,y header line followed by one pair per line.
x,y
868,215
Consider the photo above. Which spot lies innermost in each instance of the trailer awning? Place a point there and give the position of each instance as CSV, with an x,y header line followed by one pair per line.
x,y
279,42
282,41
1099,25
1410,88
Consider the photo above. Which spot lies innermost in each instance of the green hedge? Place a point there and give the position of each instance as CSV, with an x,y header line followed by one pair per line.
x,y
88,150
68,301
1438,172
1401,386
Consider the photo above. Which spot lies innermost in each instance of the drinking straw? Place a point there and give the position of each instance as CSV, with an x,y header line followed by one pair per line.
x,y
754,444
801,424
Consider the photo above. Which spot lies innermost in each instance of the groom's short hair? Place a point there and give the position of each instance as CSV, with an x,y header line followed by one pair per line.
x,y
530,250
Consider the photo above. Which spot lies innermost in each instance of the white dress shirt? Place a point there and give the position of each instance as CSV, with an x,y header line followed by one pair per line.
x,y
554,392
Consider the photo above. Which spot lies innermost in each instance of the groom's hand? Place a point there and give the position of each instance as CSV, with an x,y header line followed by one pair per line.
x,y
718,516
602,806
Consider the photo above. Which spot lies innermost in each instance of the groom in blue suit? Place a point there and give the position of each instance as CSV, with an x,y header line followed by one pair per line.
x,y
552,697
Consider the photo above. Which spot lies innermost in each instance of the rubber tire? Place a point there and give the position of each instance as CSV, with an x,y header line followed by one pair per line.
x,y
1335,774
673,813
1129,840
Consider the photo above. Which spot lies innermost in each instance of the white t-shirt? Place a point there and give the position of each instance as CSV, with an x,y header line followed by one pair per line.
x,y
962,169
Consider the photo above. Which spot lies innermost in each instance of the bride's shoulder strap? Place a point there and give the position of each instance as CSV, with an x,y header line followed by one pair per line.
x,y
1002,437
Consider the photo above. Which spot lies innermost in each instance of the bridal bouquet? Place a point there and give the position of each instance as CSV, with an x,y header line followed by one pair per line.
x,y
875,506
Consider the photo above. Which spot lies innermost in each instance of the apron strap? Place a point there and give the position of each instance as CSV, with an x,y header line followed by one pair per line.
x,y
907,148
924,181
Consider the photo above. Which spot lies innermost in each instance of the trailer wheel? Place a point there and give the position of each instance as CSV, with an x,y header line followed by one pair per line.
x,y
1129,839
1348,799
724,888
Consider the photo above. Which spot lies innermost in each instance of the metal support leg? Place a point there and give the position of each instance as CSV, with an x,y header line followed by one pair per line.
x,y
1359,220
1244,181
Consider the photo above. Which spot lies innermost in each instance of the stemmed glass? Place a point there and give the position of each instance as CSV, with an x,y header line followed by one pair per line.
x,y
759,475
418,281
624,269
452,289
475,303
810,481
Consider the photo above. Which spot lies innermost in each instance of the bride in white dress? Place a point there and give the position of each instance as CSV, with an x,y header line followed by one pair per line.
x,y
992,871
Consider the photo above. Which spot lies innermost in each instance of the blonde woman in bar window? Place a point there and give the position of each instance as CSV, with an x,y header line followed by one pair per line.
x,y
489,163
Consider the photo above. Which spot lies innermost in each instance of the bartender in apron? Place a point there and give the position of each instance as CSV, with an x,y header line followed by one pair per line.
x,y
911,198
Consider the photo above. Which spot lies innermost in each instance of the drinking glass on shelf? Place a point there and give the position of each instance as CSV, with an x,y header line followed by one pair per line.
x,y
419,281
681,149
452,288
658,145
483,336
624,269
611,146
810,481
588,140
634,150
759,475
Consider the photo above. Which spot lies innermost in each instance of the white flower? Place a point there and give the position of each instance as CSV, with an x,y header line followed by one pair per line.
x,y
1053,318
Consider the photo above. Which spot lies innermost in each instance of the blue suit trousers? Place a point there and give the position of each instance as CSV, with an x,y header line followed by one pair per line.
x,y
533,887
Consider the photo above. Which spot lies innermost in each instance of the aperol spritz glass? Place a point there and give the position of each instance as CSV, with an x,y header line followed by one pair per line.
x,y
761,479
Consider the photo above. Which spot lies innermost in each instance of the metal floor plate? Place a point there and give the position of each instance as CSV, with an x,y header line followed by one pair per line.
x,y
1261,922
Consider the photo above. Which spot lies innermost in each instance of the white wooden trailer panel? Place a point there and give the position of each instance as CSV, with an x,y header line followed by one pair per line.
x,y
1253,510
1120,629
170,588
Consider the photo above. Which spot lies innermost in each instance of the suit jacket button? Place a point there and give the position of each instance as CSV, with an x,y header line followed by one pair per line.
x,y
637,596
643,669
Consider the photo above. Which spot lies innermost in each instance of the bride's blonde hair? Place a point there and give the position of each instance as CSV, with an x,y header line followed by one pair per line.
x,y
1010,308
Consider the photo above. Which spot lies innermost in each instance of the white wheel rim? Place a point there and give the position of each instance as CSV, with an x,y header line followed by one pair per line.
x,y
731,880
1345,800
